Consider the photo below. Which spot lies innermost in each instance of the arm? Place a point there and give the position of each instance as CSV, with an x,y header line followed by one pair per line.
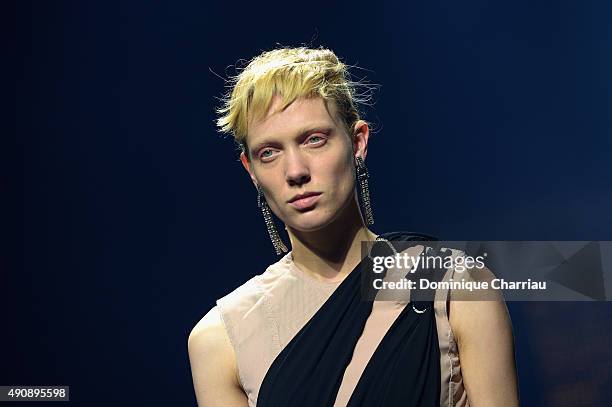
x,y
213,364
486,349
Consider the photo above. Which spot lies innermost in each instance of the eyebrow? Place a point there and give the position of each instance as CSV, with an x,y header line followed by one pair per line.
x,y
320,128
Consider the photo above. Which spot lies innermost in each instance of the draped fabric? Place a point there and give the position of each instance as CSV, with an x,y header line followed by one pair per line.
x,y
403,371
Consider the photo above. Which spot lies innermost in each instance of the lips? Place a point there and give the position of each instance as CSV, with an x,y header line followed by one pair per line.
x,y
304,201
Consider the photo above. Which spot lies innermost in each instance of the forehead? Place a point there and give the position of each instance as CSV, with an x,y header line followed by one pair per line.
x,y
302,113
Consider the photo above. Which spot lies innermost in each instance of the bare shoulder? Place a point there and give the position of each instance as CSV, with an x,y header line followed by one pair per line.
x,y
483,331
481,308
209,331
213,363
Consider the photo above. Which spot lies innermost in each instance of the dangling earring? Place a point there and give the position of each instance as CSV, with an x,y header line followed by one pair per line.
x,y
362,179
279,246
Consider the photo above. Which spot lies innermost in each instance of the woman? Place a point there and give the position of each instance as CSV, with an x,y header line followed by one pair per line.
x,y
299,334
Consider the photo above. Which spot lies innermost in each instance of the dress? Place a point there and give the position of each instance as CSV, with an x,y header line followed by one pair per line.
x,y
304,342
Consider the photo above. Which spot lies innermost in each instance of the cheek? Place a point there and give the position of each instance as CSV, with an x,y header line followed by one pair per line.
x,y
276,194
272,188
341,175
338,164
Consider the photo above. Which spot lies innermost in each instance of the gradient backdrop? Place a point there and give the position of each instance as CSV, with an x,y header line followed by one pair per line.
x,y
133,214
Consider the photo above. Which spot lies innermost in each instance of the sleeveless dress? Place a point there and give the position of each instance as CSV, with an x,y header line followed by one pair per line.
x,y
303,342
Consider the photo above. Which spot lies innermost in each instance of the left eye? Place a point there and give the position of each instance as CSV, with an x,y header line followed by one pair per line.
x,y
315,139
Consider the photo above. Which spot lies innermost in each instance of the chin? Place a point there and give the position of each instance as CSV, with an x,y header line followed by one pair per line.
x,y
310,222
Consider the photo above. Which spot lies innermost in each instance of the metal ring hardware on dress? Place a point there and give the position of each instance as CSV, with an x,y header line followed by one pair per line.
x,y
382,239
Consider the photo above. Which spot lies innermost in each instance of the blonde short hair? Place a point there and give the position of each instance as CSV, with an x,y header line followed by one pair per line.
x,y
290,73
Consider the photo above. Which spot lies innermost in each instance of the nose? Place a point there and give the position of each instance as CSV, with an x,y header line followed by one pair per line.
x,y
297,171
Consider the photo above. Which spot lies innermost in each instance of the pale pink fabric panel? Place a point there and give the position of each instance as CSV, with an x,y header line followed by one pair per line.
x,y
452,391
380,320
265,313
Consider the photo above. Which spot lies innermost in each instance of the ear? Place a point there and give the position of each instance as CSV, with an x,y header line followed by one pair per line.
x,y
247,166
361,134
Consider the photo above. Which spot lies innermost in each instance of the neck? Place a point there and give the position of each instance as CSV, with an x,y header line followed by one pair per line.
x,y
331,253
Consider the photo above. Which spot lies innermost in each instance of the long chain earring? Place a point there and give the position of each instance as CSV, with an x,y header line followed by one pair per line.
x,y
362,179
279,246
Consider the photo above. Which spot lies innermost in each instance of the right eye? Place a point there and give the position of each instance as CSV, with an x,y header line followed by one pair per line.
x,y
266,153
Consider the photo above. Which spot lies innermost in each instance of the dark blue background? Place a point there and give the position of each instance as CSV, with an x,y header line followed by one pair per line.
x,y
134,215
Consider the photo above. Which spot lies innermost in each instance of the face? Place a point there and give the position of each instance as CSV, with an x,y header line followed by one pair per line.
x,y
303,160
